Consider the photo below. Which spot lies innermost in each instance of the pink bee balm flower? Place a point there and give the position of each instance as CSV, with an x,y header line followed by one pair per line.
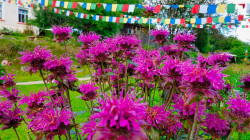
x,y
89,129
51,122
185,39
99,52
216,59
36,59
89,91
128,42
215,126
160,36
187,111
121,114
150,11
8,80
11,95
246,82
172,50
156,116
35,100
62,33
88,39
203,81
59,67
83,56
239,109
5,106
10,119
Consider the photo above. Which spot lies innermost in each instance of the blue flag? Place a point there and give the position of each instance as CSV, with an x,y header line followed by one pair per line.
x,y
108,7
227,19
172,21
198,21
211,9
84,5
62,3
175,6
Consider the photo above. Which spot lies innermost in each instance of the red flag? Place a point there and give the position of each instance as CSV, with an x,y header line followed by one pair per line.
x,y
31,5
209,19
246,26
184,25
158,20
57,11
230,26
99,5
195,9
248,20
121,16
157,8
240,17
170,24
71,13
85,15
243,5
198,26
213,27
182,20
54,4
125,8
74,5
101,17
117,19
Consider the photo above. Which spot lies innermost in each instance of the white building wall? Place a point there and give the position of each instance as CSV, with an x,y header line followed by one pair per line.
x,y
10,18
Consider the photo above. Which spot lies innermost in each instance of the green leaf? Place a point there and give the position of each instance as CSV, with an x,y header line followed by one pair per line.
x,y
131,62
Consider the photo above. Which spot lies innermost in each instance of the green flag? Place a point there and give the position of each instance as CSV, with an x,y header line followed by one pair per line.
x,y
104,18
121,20
243,26
163,20
50,2
226,26
230,8
119,7
70,4
189,6
216,19
141,21
195,26
93,6
60,11
88,16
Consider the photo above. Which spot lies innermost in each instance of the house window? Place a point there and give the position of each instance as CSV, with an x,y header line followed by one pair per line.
x,y
1,13
22,15
129,31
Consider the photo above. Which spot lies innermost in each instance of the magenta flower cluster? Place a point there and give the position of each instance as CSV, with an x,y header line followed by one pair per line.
x,y
62,33
160,35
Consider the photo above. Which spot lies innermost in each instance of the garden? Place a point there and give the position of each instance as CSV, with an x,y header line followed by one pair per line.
x,y
132,92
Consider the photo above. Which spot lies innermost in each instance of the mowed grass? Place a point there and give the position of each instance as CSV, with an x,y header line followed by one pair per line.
x,y
79,108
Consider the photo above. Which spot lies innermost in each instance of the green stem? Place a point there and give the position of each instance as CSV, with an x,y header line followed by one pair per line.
x,y
16,134
154,95
126,75
231,132
88,107
170,96
47,89
195,121
149,33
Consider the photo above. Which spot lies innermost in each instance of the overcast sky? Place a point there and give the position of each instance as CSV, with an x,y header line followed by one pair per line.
x,y
242,33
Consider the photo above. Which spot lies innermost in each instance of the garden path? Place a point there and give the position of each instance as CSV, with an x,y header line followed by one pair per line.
x,y
41,82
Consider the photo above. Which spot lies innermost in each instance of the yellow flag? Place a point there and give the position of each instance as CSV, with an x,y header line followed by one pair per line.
x,y
193,20
29,1
221,19
192,25
114,7
125,20
167,21
46,2
88,6
66,4
181,6
107,18
144,20
13,1
221,8
76,14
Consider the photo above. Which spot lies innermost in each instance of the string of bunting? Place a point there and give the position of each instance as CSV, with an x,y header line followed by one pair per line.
x,y
140,20
195,9
165,21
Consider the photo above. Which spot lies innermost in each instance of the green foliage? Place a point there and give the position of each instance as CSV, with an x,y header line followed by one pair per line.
x,y
240,52
202,42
